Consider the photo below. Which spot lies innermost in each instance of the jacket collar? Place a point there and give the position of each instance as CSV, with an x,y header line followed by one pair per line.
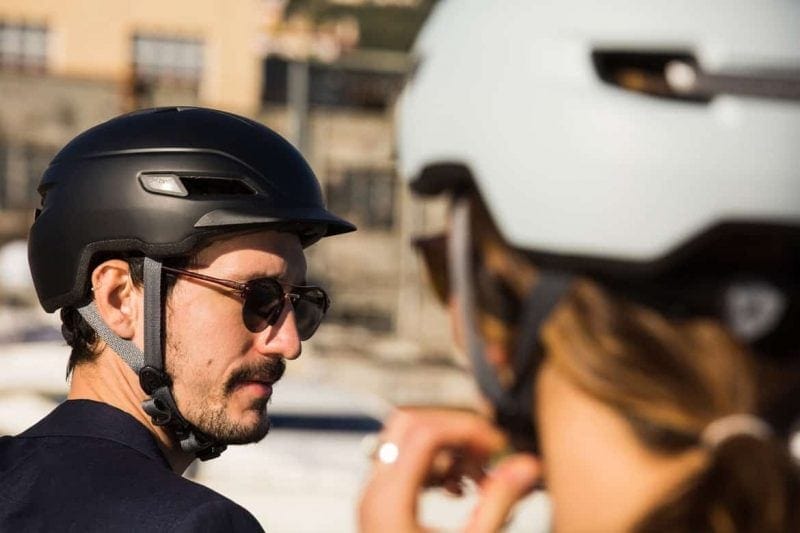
x,y
88,418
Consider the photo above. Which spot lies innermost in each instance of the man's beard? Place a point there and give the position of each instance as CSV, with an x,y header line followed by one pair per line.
x,y
214,421
208,413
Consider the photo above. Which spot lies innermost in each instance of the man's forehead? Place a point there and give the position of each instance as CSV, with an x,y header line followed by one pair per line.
x,y
256,252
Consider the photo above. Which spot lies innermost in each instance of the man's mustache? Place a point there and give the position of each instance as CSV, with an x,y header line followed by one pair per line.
x,y
270,371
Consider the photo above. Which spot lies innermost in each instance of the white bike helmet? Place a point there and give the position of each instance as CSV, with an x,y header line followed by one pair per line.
x,y
652,146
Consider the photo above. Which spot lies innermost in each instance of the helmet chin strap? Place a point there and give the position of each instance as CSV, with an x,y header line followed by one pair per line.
x,y
149,366
513,405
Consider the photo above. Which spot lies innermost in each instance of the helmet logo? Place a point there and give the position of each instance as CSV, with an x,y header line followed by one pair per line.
x,y
753,308
168,184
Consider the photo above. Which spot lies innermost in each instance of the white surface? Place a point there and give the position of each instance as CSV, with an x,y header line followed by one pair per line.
x,y
314,397
38,367
19,411
16,276
570,164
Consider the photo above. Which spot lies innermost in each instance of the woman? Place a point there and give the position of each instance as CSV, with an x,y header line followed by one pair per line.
x,y
622,262
644,423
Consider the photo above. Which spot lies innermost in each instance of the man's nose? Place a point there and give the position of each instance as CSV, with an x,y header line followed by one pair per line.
x,y
282,337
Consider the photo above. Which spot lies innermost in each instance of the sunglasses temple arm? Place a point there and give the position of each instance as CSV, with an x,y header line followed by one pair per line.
x,y
240,287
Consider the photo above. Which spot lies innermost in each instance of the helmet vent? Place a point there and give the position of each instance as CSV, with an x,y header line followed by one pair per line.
x,y
216,186
678,76
651,73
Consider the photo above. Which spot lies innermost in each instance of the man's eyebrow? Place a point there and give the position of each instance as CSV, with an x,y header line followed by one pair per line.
x,y
282,277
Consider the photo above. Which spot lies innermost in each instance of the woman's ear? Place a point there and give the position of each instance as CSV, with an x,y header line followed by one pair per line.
x,y
117,298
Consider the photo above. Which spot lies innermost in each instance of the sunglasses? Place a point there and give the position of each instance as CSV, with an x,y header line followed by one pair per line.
x,y
265,298
433,251
494,296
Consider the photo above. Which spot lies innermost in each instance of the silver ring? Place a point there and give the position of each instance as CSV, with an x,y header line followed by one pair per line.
x,y
388,452
385,452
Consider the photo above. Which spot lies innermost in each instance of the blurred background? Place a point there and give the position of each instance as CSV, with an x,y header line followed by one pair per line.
x,y
323,73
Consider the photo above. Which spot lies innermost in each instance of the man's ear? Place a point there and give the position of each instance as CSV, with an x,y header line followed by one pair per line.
x,y
117,298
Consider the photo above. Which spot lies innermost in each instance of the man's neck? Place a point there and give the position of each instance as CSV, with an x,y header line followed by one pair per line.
x,y
109,380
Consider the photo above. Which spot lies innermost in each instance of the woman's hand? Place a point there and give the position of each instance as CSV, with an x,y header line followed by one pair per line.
x,y
438,447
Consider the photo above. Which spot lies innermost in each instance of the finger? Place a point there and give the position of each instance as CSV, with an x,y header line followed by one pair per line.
x,y
391,494
454,465
509,482
454,487
425,438
445,465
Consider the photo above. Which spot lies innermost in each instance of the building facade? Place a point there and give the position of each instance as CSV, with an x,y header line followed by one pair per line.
x,y
302,68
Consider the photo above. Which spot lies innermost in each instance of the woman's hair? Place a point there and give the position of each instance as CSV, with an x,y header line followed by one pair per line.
x,y
670,379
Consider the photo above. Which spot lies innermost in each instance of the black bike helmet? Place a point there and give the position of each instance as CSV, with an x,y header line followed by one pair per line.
x,y
156,182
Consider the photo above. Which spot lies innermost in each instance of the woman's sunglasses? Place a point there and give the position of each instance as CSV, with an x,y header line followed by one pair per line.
x,y
265,298
494,295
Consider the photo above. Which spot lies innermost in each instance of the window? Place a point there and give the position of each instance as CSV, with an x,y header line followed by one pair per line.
x,y
338,87
364,196
168,60
37,158
21,169
23,47
367,317
334,86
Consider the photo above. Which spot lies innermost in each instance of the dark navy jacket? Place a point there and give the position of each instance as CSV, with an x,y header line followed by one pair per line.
x,y
88,466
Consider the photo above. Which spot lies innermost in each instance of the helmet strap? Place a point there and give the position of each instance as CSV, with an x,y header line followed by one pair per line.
x,y
539,304
460,259
149,365
513,405
127,350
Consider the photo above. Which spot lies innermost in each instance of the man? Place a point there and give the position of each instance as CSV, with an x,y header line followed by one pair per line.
x,y
172,241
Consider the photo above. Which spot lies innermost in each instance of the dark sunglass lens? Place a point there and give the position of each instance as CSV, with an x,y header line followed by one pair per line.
x,y
309,309
262,305
433,251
